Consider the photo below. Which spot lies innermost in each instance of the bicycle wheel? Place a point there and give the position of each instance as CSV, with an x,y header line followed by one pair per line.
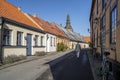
x,y
105,75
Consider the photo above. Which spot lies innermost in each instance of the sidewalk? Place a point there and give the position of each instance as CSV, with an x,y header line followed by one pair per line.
x,y
29,58
95,65
28,69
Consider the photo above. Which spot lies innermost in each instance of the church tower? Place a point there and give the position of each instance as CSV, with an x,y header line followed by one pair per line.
x,y
68,24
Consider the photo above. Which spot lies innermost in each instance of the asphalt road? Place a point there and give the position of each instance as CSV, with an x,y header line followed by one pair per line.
x,y
69,67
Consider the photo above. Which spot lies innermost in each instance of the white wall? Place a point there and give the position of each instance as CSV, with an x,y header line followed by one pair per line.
x,y
50,48
22,51
14,51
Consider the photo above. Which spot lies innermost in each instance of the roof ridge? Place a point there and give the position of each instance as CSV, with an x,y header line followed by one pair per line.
x,y
29,17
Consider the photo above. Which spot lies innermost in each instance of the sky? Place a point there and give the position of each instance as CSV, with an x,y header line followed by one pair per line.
x,y
57,10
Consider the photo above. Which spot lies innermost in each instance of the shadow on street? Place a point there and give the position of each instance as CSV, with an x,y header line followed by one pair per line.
x,y
69,67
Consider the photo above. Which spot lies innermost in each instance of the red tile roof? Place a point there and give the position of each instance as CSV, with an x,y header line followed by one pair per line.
x,y
42,23
49,27
10,11
87,38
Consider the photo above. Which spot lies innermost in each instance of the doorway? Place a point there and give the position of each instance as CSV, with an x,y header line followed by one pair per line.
x,y
29,44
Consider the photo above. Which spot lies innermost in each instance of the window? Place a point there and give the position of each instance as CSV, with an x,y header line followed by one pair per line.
x,y
113,25
42,40
51,40
97,38
97,7
36,40
104,2
103,23
94,39
54,41
19,38
7,37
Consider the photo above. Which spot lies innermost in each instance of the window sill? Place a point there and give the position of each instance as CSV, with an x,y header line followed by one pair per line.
x,y
38,46
11,46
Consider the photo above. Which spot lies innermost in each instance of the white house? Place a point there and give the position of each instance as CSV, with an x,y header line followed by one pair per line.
x,y
18,34
50,37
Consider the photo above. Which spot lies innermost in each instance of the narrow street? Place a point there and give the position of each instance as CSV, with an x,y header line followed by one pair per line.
x,y
71,68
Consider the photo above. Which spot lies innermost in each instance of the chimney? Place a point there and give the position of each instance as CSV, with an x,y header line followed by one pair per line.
x,y
34,15
19,8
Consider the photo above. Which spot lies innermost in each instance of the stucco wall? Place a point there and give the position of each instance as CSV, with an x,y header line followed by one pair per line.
x,y
14,51
8,51
36,49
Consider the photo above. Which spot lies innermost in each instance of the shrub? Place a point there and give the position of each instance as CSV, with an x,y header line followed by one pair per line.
x,y
61,47
72,46
90,44
13,58
40,53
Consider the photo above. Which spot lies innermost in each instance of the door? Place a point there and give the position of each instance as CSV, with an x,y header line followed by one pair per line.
x,y
29,44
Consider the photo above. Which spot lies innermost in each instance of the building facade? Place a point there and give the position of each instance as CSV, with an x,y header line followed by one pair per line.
x,y
105,28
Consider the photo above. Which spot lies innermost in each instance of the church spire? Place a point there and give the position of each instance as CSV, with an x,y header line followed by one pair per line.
x,y
68,24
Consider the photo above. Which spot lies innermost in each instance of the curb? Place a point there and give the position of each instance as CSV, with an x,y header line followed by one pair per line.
x,y
88,53
16,63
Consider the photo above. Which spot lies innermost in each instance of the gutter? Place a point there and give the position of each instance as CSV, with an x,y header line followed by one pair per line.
x,y
1,48
23,25
92,6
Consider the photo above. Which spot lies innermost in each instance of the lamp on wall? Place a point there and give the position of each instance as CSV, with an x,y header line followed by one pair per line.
x,y
96,20
89,30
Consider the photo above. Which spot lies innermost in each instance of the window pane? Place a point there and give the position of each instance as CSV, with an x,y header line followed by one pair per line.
x,y
51,41
36,40
7,37
42,40
113,25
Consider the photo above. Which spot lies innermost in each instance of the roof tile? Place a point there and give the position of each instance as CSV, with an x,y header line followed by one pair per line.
x,y
10,11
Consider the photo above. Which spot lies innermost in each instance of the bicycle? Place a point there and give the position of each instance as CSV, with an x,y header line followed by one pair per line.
x,y
107,73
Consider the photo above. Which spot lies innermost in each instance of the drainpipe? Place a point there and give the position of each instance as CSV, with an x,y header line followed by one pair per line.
x,y
1,48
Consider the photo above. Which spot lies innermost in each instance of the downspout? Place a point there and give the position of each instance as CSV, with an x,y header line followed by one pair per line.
x,y
1,55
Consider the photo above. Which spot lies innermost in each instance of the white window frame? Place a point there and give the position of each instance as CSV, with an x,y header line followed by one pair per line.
x,y
8,34
20,38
